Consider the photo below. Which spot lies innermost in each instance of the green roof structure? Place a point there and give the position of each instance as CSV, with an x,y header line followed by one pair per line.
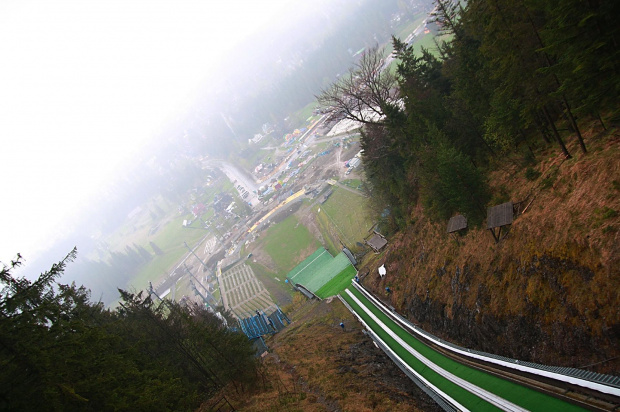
x,y
319,269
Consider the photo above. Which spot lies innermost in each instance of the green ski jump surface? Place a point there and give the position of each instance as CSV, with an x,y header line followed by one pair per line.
x,y
338,283
323,274
519,395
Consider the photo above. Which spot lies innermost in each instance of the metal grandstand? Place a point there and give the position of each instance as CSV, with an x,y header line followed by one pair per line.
x,y
260,323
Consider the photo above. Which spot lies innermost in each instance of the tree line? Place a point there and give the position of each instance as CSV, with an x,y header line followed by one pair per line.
x,y
512,76
59,351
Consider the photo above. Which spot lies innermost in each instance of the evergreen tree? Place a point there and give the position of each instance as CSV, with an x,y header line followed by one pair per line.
x,y
59,351
450,184
583,39
512,72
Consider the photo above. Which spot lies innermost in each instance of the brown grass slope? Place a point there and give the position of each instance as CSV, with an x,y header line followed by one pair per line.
x,y
313,365
550,291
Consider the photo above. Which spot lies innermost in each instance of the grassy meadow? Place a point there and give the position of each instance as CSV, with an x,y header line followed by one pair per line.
x,y
344,217
288,243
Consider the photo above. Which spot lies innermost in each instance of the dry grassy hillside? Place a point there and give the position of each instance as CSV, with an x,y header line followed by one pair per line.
x,y
314,365
550,290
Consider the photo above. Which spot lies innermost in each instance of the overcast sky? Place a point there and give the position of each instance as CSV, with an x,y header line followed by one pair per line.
x,y
84,83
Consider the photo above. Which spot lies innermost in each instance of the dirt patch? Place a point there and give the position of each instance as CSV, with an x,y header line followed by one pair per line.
x,y
315,173
330,173
351,151
216,258
262,258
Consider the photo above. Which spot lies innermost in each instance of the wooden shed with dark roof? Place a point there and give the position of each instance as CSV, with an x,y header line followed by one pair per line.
x,y
377,242
456,223
498,217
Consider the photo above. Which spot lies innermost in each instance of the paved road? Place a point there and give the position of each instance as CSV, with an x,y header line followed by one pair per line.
x,y
316,141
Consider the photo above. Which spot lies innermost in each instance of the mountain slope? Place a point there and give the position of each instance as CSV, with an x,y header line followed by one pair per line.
x,y
547,292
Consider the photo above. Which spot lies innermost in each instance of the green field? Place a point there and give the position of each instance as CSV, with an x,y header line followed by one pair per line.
x,y
346,217
353,183
159,266
525,397
338,283
286,243
330,237
174,234
171,236
162,212
258,155
299,117
136,230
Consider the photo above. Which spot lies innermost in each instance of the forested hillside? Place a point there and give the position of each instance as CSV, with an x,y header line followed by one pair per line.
x,y
519,104
59,351
513,77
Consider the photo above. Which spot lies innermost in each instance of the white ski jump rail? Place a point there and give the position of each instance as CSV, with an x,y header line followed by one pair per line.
x,y
596,386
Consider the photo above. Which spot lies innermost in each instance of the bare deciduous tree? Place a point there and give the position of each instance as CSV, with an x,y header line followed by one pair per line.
x,y
366,93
